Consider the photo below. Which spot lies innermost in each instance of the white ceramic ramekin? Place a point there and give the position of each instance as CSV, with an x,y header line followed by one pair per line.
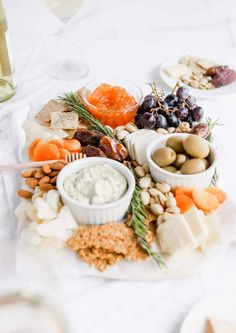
x,y
96,214
199,180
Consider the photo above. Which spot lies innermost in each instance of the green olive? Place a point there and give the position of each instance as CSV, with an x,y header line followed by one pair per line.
x,y
206,163
195,165
170,168
196,146
176,143
164,156
180,160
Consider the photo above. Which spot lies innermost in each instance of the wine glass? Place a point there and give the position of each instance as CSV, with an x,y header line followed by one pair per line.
x,y
66,69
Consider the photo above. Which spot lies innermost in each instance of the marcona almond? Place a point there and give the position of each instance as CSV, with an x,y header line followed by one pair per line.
x,y
25,194
44,180
46,168
27,173
31,182
57,166
39,174
46,187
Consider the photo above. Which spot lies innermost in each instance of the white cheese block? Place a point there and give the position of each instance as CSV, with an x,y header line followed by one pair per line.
x,y
64,120
195,220
137,143
221,326
175,236
211,222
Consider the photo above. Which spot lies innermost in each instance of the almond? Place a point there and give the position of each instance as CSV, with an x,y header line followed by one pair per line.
x,y
53,180
39,174
31,182
46,168
44,180
25,194
57,166
46,187
53,173
27,173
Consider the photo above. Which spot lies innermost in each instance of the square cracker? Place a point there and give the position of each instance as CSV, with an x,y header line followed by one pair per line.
x,y
44,116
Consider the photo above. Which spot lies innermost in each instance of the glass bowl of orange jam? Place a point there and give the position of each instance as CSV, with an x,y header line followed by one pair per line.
x,y
113,101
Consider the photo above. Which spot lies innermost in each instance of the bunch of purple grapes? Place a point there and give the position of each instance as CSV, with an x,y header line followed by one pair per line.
x,y
169,111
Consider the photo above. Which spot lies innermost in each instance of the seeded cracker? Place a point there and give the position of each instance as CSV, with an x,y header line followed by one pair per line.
x,y
44,116
104,245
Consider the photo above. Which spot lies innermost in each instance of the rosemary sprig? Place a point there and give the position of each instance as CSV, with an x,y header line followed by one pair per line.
x,y
139,224
215,178
76,105
211,125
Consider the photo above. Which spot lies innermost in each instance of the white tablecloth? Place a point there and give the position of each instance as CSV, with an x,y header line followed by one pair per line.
x,y
128,39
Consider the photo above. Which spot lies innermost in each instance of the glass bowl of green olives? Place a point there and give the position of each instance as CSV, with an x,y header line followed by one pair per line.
x,y
182,159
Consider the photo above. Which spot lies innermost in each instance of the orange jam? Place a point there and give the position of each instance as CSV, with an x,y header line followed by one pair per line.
x,y
112,105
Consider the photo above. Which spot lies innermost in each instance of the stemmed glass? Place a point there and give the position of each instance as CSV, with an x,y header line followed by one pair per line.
x,y
66,69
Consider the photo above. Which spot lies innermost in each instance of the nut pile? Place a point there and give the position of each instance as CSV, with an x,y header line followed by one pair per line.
x,y
122,131
44,178
156,196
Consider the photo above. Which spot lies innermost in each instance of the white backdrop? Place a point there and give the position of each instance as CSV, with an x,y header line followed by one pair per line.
x,y
127,39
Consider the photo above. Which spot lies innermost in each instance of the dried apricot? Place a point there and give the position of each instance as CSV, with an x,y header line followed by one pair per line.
x,y
73,145
63,153
45,152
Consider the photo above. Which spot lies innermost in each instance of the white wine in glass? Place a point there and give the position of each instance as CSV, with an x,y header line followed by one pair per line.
x,y
67,69
64,9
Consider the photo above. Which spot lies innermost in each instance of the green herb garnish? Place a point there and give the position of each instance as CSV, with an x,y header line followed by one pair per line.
x,y
211,125
139,224
77,106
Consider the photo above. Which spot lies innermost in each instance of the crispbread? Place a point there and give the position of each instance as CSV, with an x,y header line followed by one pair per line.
x,y
44,116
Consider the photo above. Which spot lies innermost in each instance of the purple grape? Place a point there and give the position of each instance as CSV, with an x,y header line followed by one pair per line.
x,y
190,121
148,96
182,93
191,101
148,120
182,113
163,104
138,118
197,113
171,99
148,104
161,111
173,121
161,121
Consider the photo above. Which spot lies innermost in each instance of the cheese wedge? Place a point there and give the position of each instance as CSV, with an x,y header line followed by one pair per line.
x,y
195,219
211,222
220,326
64,120
175,236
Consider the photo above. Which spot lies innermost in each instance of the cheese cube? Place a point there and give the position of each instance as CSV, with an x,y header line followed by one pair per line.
x,y
64,120
175,236
195,220
220,326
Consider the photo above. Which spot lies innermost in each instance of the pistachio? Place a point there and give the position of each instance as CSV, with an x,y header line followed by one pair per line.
x,y
160,219
156,209
145,198
173,210
145,167
144,182
118,129
140,171
163,187
130,127
162,131
122,134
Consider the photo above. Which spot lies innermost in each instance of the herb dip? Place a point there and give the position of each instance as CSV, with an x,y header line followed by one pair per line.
x,y
96,185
